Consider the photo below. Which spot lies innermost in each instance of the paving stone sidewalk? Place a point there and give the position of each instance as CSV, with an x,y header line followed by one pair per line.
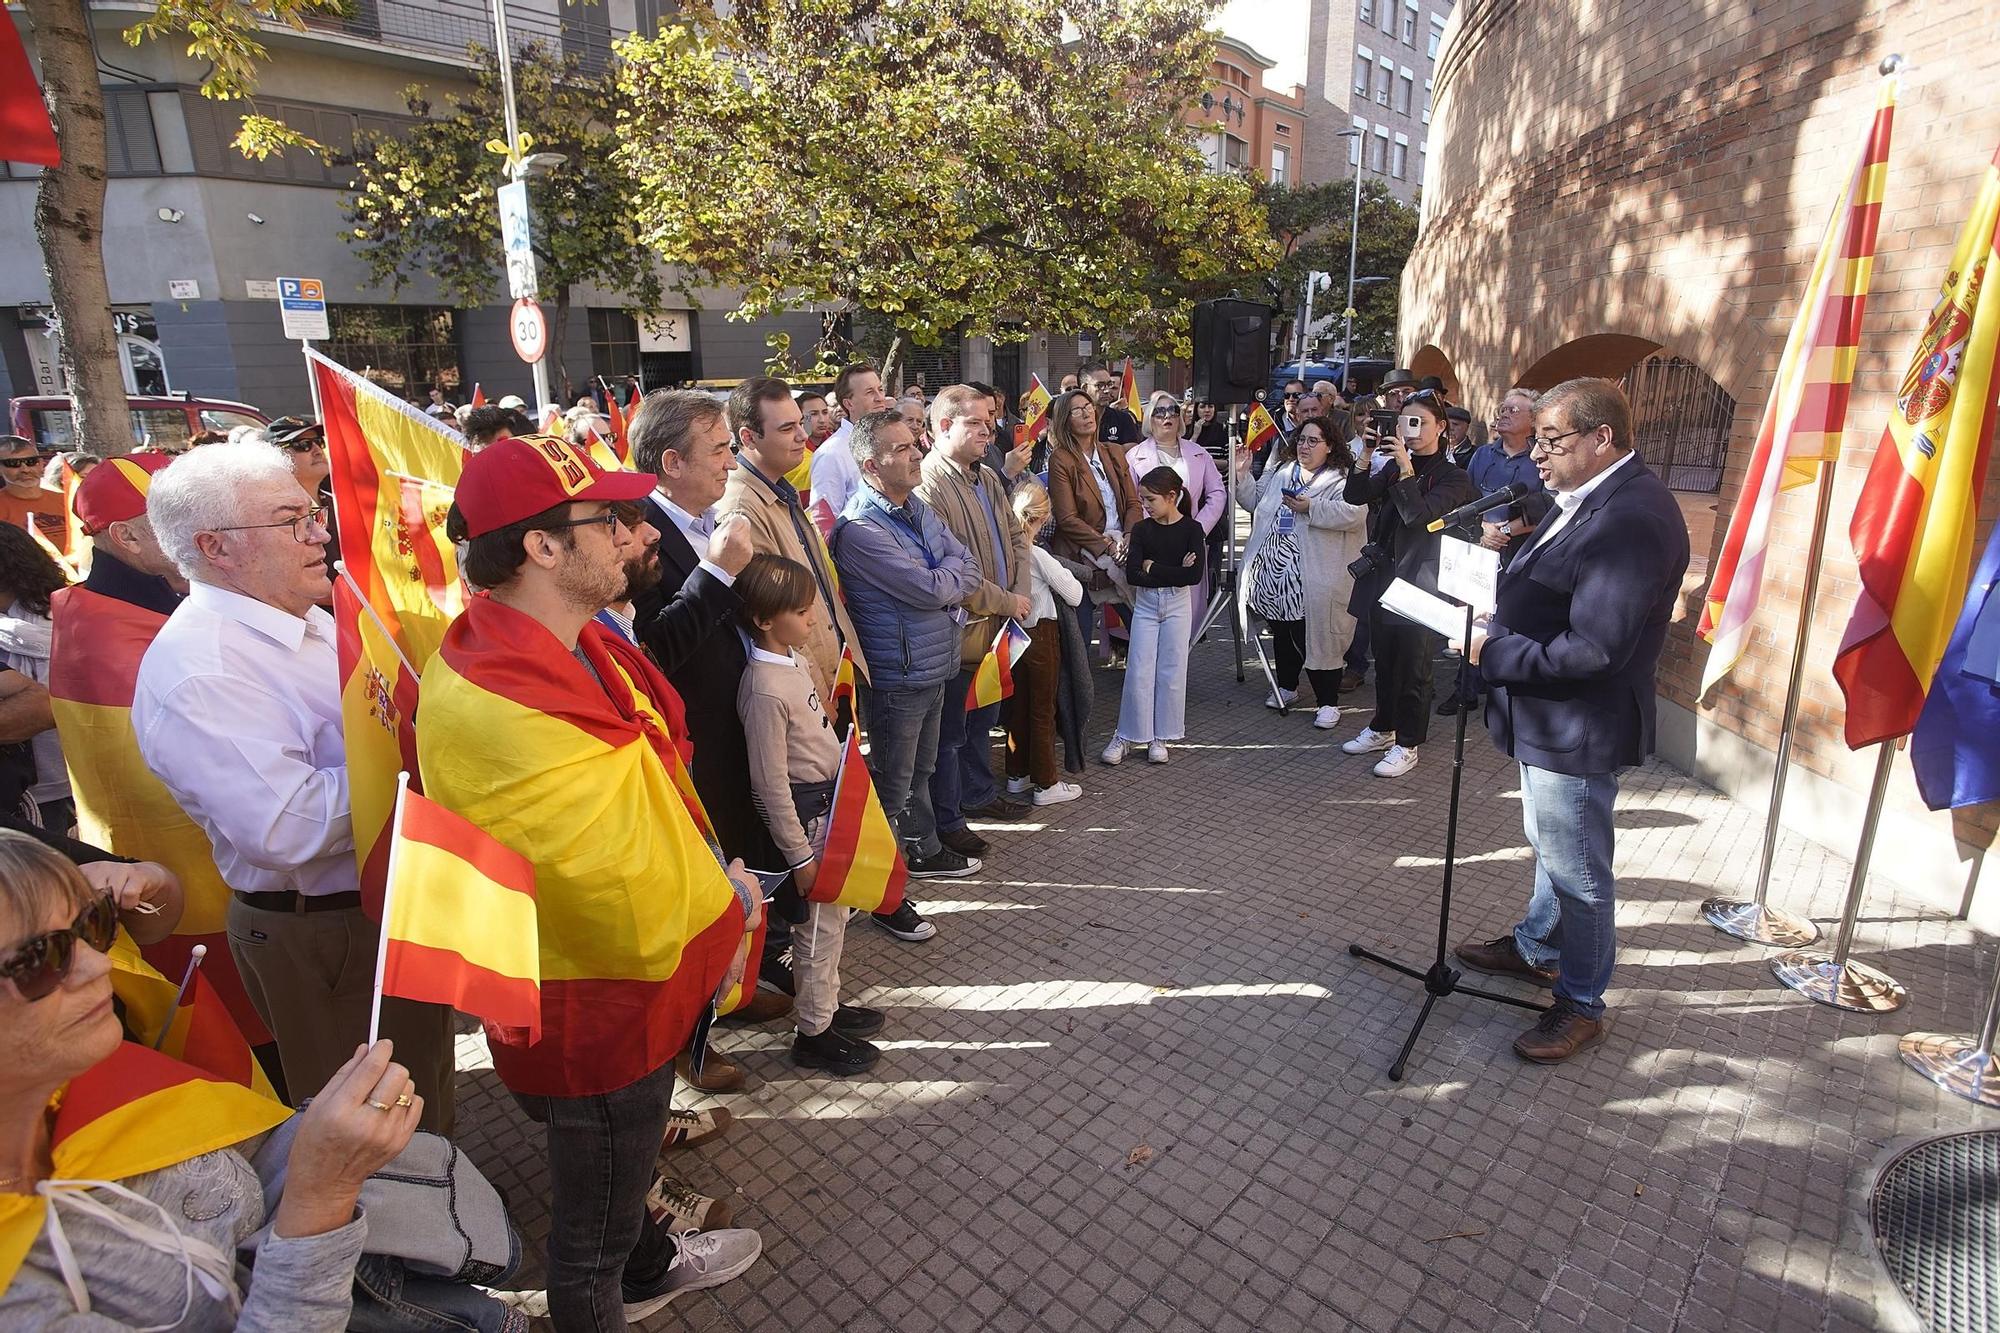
x,y
1136,1082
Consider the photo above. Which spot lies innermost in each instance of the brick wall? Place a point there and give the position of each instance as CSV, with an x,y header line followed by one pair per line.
x,y
1661,171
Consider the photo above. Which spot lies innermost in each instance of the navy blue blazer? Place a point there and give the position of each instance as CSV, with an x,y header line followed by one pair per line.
x,y
1574,647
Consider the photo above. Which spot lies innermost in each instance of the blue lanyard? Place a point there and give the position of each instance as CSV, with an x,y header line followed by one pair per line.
x,y
900,519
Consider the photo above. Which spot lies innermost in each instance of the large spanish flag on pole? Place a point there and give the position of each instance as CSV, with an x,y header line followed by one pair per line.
x,y
458,920
1806,412
94,657
861,859
1914,522
393,468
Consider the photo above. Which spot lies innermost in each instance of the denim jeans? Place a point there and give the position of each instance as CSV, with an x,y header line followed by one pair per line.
x,y
389,1298
602,1151
963,778
902,751
1572,913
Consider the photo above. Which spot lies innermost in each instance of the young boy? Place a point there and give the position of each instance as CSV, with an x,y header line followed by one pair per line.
x,y
794,759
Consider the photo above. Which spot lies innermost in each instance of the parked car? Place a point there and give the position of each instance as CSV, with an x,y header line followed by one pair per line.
x,y
1367,372
167,422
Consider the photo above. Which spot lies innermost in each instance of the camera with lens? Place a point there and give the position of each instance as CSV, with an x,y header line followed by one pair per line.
x,y
1372,561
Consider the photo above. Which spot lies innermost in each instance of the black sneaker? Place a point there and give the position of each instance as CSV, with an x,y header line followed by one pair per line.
x,y
858,1020
1449,706
944,863
964,841
906,923
774,972
998,808
835,1053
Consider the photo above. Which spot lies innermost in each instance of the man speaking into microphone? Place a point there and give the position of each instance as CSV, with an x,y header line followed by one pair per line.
x,y
1570,655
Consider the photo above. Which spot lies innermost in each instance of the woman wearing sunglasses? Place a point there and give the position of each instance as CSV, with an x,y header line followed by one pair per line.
x,y
1167,445
131,1184
1412,481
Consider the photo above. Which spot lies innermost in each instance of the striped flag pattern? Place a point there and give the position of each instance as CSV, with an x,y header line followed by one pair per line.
x,y
199,1031
994,680
1128,393
861,859
1804,416
1035,409
1261,430
1914,522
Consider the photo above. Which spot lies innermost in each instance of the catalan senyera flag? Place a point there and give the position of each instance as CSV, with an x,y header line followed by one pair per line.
x,y
458,924
1128,393
1262,429
95,649
994,678
638,922
133,1112
860,860
199,1030
1804,416
1035,409
391,465
1914,520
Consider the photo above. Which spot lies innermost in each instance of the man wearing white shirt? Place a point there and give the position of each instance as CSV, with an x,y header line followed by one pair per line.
x,y
835,475
237,710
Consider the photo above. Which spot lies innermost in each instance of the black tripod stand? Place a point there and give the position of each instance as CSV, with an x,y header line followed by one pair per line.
x,y
1441,978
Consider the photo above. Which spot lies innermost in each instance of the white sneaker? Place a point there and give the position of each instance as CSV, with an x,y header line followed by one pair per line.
x,y
1016,786
1114,753
1327,717
1156,752
1281,698
1369,741
703,1259
1400,760
1056,793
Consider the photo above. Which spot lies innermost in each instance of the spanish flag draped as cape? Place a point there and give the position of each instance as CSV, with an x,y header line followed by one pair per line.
x,y
94,659
134,1111
585,779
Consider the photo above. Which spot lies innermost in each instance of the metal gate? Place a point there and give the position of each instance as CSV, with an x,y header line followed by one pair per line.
x,y
1681,419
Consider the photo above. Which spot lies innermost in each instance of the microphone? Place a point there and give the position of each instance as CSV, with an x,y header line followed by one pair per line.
x,y
1506,495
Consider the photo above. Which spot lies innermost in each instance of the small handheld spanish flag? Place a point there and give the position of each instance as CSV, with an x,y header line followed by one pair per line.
x,y
1128,393
458,920
1035,409
843,682
861,860
1262,429
994,680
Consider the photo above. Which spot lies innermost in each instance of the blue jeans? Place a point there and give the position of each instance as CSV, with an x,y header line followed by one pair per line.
x,y
963,779
902,752
389,1298
1572,913
602,1150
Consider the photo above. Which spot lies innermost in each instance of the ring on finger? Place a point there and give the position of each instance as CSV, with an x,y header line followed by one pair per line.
x,y
404,1099
380,1106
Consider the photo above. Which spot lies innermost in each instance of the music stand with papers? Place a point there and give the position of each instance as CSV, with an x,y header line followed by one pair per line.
x,y
1433,612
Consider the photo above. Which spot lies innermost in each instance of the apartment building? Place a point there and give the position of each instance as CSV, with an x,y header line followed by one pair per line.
x,y
1370,67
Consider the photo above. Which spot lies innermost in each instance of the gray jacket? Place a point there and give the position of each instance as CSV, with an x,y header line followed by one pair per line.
x,y
903,576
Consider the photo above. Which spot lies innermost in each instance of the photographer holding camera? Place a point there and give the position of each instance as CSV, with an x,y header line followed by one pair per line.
x,y
1414,483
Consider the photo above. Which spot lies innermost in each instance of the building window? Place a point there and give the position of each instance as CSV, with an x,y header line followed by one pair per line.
x,y
1409,23
1388,17
1367,11
1381,151
1364,69
1281,162
1406,87
1437,35
1235,153
1385,76
1399,161
406,348
614,344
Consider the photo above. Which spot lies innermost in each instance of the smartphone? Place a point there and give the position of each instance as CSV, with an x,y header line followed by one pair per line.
x,y
1382,420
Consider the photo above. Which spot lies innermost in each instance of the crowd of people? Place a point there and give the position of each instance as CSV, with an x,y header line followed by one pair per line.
x,y
649,699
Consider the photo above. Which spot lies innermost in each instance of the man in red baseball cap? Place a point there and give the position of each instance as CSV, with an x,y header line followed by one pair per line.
x,y
563,741
126,561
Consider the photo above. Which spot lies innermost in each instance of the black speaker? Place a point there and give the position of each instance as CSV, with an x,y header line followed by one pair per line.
x,y
1232,350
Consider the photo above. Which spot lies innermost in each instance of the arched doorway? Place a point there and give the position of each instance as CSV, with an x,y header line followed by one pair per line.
x,y
1431,360
1606,355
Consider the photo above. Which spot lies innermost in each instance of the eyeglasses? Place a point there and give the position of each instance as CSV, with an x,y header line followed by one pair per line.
x,y
33,460
1547,443
1290,396
303,446
39,966
302,527
609,519
1160,413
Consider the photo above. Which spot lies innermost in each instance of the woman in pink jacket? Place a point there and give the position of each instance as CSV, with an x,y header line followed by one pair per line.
x,y
1166,445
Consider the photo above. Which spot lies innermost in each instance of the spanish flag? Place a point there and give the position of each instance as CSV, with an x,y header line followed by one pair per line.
x,y
1261,431
620,443
458,924
1035,409
133,1112
478,395
994,680
843,683
1807,410
577,769
94,656
861,859
1914,521
1128,393
197,1030
392,466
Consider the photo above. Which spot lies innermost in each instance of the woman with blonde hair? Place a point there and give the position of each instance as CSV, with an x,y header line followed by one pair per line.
x,y
1030,712
1167,444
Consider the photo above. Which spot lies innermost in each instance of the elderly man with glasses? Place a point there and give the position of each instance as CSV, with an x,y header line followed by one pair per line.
x,y
22,499
237,711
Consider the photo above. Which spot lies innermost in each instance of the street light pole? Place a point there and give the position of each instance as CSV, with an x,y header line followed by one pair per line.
x,y
1353,247
517,169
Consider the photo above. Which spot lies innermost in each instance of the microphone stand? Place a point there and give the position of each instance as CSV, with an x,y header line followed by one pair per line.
x,y
1441,978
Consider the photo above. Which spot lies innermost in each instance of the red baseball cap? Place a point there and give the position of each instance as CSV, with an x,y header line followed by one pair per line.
x,y
520,476
115,490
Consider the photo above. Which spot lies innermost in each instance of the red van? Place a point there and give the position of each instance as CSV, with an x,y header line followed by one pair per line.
x,y
167,422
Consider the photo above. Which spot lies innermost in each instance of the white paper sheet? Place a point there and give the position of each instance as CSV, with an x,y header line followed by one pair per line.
x,y
1426,608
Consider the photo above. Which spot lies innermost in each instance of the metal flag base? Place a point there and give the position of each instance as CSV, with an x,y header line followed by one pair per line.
x,y
1956,1064
1759,923
1842,984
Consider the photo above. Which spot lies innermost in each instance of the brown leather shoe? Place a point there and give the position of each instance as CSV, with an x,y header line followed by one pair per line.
x,y
717,1074
1562,1032
765,1006
1502,958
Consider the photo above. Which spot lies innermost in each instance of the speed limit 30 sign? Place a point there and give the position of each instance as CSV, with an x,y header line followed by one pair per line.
x,y
530,331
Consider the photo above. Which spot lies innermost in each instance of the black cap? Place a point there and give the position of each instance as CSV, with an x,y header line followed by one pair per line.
x,y
287,431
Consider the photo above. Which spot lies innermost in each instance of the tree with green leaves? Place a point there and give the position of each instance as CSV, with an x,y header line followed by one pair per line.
x,y
423,205
69,202
953,166
1312,223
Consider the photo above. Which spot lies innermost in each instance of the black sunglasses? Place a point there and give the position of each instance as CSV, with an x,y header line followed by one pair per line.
x,y
1294,395
39,966
33,460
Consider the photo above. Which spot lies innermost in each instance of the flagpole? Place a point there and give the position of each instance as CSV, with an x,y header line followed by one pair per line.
x,y
388,895
1962,1066
1835,979
340,567
195,955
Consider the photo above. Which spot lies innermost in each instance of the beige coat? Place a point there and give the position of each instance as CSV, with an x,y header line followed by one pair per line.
x,y
1007,573
772,531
